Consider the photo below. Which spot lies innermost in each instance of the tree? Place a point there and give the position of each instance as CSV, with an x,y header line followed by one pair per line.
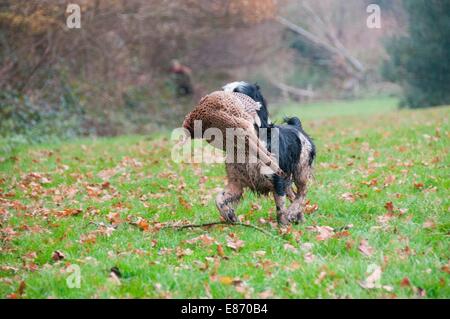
x,y
419,62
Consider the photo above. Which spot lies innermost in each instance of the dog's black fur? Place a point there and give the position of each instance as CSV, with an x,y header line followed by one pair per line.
x,y
290,146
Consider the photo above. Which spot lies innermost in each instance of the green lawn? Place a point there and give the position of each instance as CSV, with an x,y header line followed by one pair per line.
x,y
381,185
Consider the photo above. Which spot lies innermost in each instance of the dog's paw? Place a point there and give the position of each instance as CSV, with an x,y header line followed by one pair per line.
x,y
225,210
228,215
295,216
283,218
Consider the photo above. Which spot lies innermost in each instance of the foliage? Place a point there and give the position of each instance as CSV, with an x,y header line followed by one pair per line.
x,y
419,62
376,227
26,120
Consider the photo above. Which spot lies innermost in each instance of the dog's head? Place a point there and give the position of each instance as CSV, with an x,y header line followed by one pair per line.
x,y
253,91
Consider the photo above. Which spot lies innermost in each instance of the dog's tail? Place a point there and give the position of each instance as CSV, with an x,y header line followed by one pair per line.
x,y
294,121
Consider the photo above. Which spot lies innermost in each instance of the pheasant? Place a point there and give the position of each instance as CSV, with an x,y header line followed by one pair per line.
x,y
224,110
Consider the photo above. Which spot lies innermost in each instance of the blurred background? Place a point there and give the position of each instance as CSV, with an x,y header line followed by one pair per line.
x,y
138,66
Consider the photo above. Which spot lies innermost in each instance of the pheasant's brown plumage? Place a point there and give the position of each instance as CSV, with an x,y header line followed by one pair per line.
x,y
224,110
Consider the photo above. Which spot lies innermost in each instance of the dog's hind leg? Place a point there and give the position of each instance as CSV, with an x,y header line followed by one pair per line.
x,y
227,200
301,178
280,200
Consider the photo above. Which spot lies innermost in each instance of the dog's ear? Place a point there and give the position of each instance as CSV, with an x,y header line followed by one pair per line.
x,y
257,86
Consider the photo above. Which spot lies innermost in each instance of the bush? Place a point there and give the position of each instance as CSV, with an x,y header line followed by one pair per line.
x,y
26,119
419,62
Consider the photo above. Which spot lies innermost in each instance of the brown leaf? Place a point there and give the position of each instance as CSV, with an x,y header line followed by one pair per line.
x,y
429,224
57,255
184,203
204,239
349,197
68,212
372,281
446,268
389,206
142,224
183,252
234,243
321,277
90,238
22,287
114,218
220,251
226,280
325,232
309,257
266,294
418,185
30,256
106,174
364,248
309,209
390,179
405,282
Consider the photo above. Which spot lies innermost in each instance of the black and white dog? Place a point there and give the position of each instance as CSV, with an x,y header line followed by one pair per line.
x,y
295,152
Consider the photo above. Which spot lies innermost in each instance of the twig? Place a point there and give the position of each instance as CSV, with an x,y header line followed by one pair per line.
x,y
179,227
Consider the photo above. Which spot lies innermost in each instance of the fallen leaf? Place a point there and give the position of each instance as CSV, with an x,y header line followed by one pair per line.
x,y
89,238
106,174
418,185
226,280
319,279
389,206
405,282
68,212
204,239
234,243
57,255
309,257
309,209
429,224
446,268
390,179
388,288
142,224
114,218
364,248
260,253
220,251
325,232
183,252
349,197
373,280
266,294
184,203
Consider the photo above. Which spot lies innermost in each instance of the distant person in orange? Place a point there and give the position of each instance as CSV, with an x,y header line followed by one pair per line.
x,y
182,78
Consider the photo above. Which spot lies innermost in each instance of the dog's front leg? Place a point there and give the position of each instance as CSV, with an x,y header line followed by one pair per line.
x,y
227,200
290,193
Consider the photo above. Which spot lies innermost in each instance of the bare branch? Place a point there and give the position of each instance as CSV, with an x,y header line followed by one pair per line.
x,y
355,63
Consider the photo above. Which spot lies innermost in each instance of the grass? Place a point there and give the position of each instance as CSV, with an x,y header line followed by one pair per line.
x,y
381,171
316,110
